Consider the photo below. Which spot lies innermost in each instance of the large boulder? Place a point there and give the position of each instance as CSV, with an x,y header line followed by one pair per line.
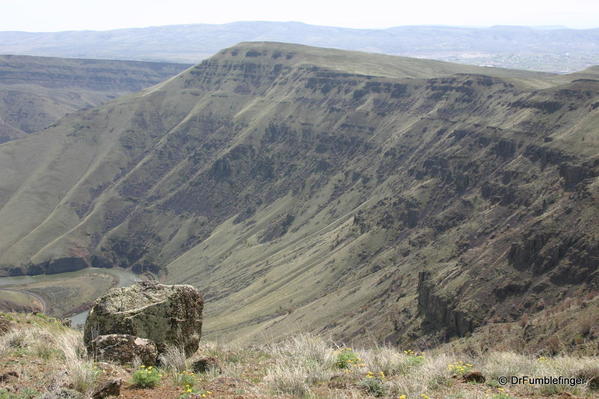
x,y
169,315
123,348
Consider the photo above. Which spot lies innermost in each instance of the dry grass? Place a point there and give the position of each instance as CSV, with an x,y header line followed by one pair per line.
x,y
174,360
81,372
299,363
303,366
60,348
288,379
498,364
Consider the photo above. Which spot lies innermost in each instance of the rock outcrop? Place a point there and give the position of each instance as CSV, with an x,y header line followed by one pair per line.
x,y
168,315
438,313
108,388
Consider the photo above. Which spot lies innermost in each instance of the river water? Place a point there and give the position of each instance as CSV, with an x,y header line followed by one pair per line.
x,y
125,278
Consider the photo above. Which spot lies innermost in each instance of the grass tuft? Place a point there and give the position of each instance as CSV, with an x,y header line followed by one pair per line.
x,y
173,359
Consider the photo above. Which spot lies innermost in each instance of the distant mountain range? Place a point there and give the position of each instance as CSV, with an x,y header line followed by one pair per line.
x,y
552,49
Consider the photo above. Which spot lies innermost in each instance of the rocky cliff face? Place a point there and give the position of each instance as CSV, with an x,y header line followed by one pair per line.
x,y
356,194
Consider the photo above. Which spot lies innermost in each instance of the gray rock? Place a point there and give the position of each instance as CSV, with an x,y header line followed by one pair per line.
x,y
108,388
206,365
62,393
169,315
474,376
123,349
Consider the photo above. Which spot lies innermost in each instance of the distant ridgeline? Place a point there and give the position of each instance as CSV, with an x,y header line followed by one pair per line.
x,y
352,194
551,49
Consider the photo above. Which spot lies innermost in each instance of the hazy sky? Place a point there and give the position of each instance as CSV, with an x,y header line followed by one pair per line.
x,y
56,15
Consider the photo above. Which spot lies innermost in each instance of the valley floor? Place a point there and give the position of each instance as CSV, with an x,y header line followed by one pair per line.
x,y
41,358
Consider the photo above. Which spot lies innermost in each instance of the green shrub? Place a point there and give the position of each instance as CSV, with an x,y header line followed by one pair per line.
x,y
413,359
346,358
373,385
460,368
185,379
146,377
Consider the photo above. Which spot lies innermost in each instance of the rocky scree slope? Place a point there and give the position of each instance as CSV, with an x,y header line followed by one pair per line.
x,y
37,91
312,189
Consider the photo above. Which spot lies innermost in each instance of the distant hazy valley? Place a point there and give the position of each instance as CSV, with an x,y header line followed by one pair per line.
x,y
360,195
37,91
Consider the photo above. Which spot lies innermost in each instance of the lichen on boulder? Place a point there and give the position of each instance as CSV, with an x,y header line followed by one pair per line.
x,y
169,315
123,349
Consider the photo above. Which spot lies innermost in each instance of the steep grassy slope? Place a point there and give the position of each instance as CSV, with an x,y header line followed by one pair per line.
x,y
312,189
546,49
37,91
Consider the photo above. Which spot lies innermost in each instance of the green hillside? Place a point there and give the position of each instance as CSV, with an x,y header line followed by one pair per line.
x,y
307,189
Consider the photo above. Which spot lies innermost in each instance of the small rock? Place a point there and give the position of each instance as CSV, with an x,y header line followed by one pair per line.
x,y
62,393
59,380
123,348
4,325
6,376
108,388
591,376
338,382
205,365
474,376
